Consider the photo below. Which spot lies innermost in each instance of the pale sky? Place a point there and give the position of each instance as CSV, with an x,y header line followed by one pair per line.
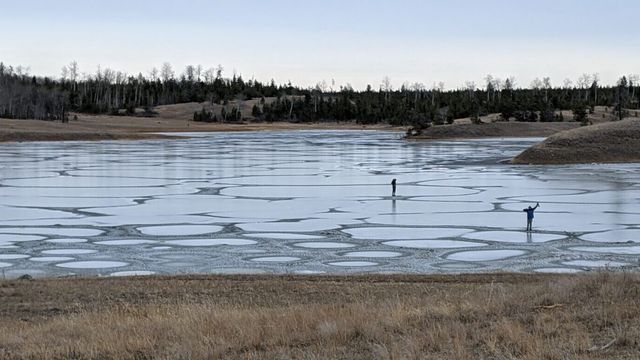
x,y
355,42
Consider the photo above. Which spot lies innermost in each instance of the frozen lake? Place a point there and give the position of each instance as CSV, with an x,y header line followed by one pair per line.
x,y
308,203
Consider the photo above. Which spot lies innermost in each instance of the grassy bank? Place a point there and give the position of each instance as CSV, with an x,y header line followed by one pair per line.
x,y
612,142
499,316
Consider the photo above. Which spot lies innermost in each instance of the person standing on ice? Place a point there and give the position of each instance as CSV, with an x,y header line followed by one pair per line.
x,y
530,211
393,187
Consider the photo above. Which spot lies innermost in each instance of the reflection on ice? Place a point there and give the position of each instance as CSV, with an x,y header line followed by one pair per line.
x,y
594,263
8,238
69,251
54,231
557,270
12,256
133,273
92,264
485,255
283,236
124,242
373,254
66,241
324,245
50,258
390,233
353,263
276,259
513,236
211,242
434,244
615,236
623,250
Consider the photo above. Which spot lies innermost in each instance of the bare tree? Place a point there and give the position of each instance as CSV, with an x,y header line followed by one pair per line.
x,y
583,83
567,83
198,72
386,87
488,80
153,74
595,78
73,73
64,73
546,84
210,75
417,89
166,72
536,84
189,73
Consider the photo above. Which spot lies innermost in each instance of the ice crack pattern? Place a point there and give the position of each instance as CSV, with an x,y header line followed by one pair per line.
x,y
307,202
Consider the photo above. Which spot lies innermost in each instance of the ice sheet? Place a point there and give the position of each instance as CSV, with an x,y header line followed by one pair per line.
x,y
513,236
392,233
69,251
373,254
203,196
485,255
324,245
615,236
92,264
211,242
353,263
433,244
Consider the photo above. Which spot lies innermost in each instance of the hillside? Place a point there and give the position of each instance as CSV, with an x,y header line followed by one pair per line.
x,y
611,142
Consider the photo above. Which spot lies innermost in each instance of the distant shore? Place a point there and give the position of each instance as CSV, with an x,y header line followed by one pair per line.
x,y
494,316
105,127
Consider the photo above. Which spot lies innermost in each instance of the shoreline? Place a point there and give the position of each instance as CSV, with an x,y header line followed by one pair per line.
x,y
103,127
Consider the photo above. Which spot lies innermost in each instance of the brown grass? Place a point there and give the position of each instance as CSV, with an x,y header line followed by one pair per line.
x,y
497,129
499,316
609,142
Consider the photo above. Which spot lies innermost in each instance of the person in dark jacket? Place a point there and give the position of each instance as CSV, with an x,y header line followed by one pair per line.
x,y
530,211
393,187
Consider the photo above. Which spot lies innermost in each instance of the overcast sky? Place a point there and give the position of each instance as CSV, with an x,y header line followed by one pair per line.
x,y
355,42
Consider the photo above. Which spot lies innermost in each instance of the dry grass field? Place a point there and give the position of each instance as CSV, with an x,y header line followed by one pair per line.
x,y
489,316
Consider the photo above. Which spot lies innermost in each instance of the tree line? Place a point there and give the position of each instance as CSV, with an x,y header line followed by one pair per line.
x,y
107,91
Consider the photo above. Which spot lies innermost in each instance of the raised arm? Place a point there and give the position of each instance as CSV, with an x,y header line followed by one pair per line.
x,y
537,205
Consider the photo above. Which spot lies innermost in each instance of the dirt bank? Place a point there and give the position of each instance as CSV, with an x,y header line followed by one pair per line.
x,y
496,129
612,142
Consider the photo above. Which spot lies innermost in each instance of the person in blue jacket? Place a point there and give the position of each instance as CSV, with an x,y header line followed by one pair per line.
x,y
530,211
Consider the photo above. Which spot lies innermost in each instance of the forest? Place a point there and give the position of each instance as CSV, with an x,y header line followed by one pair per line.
x,y
106,91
